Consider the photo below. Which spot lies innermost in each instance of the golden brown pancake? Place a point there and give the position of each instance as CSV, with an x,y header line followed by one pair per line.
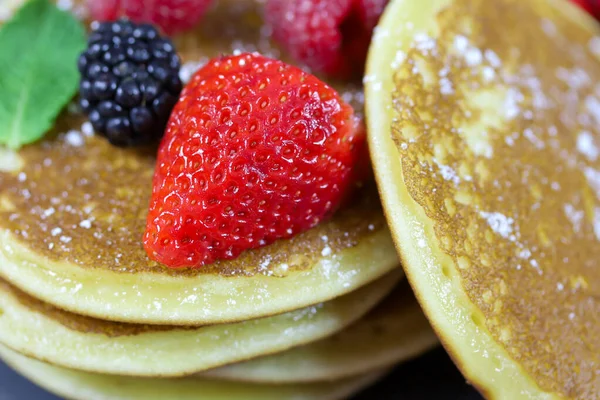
x,y
484,129
44,332
88,386
73,212
395,331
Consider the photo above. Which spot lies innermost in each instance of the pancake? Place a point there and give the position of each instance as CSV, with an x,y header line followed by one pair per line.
x,y
49,334
73,212
483,125
395,331
79,385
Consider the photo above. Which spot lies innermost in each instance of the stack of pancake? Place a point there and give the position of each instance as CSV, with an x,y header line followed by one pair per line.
x,y
319,316
483,120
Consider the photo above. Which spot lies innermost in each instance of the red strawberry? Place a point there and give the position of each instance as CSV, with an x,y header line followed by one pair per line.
x,y
329,36
591,6
172,16
255,151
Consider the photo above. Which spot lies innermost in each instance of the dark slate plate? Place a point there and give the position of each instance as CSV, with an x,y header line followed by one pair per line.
x,y
432,376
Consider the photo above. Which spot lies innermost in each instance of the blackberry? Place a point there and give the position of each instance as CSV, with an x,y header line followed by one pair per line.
x,y
129,82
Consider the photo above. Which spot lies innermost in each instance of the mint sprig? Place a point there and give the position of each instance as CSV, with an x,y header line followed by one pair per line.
x,y
39,48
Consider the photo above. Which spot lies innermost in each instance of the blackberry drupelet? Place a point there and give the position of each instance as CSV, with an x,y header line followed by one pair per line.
x,y
129,82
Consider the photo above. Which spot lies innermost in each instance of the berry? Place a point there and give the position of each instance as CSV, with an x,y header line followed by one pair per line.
x,y
591,6
255,151
172,16
329,36
129,82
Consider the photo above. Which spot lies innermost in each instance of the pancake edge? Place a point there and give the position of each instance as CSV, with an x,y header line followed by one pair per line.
x,y
88,291
176,353
417,339
77,385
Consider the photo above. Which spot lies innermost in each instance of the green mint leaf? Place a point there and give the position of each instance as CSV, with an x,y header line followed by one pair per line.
x,y
39,48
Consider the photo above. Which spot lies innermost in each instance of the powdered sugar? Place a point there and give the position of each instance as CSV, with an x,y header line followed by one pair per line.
x,y
446,86
461,43
511,103
594,45
448,173
87,129
492,58
473,56
549,27
398,59
424,43
586,145
576,78
536,141
575,216
500,223
592,105
74,138
593,179
188,69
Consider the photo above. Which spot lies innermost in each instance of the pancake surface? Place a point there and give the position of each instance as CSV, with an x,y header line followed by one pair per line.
x,y
483,123
73,212
395,331
44,332
87,386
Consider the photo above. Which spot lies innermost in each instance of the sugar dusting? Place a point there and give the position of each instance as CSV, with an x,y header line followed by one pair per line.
x,y
500,223
447,172
586,145
189,68
575,216
593,178
77,137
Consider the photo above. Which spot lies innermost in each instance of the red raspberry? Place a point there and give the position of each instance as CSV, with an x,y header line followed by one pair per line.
x,y
591,6
329,36
255,151
172,16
